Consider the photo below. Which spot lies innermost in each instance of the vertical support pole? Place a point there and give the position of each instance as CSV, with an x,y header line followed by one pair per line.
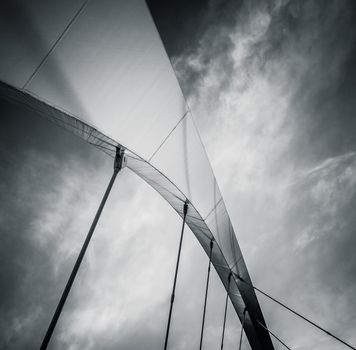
x,y
206,295
185,211
225,312
118,164
242,328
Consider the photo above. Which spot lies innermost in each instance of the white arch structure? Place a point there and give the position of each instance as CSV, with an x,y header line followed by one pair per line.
x,y
99,69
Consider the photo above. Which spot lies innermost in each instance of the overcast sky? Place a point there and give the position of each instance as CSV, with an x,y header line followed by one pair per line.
x,y
272,88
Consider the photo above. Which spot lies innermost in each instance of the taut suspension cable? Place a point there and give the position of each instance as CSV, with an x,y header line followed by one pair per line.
x,y
118,165
206,295
66,29
296,313
225,312
242,328
270,332
185,210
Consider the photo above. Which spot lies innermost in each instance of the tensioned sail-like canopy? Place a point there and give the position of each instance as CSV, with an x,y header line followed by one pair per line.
x,y
98,68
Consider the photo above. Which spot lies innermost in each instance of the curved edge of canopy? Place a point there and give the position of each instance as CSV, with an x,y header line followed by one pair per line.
x,y
241,295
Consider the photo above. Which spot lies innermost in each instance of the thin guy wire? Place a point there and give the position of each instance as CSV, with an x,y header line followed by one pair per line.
x,y
69,284
225,312
297,314
45,58
270,332
169,134
206,295
214,207
242,328
185,210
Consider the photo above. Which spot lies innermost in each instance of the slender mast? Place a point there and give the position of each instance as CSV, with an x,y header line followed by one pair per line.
x,y
118,165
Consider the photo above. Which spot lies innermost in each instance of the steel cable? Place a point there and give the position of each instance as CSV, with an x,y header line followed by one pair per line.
x,y
296,313
206,295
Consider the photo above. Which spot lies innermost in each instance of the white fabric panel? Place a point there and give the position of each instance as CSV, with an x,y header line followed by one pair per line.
x,y
27,31
220,225
116,75
183,159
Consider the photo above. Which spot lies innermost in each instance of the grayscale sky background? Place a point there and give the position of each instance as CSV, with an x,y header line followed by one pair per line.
x,y
272,88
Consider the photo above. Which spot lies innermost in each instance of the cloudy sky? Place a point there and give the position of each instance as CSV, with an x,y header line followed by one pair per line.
x,y
271,87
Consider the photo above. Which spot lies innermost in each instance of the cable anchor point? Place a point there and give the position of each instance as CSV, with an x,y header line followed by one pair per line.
x,y
185,207
120,159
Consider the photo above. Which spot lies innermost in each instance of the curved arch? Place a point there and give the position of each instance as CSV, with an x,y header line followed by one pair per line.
x,y
226,257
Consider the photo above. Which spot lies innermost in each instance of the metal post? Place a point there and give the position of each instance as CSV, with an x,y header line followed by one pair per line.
x,y
185,210
225,312
206,295
242,328
118,164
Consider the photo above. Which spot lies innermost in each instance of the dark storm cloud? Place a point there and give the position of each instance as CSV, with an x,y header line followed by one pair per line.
x,y
179,23
314,242
322,32
329,236
312,44
286,107
324,35
186,26
297,230
320,220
